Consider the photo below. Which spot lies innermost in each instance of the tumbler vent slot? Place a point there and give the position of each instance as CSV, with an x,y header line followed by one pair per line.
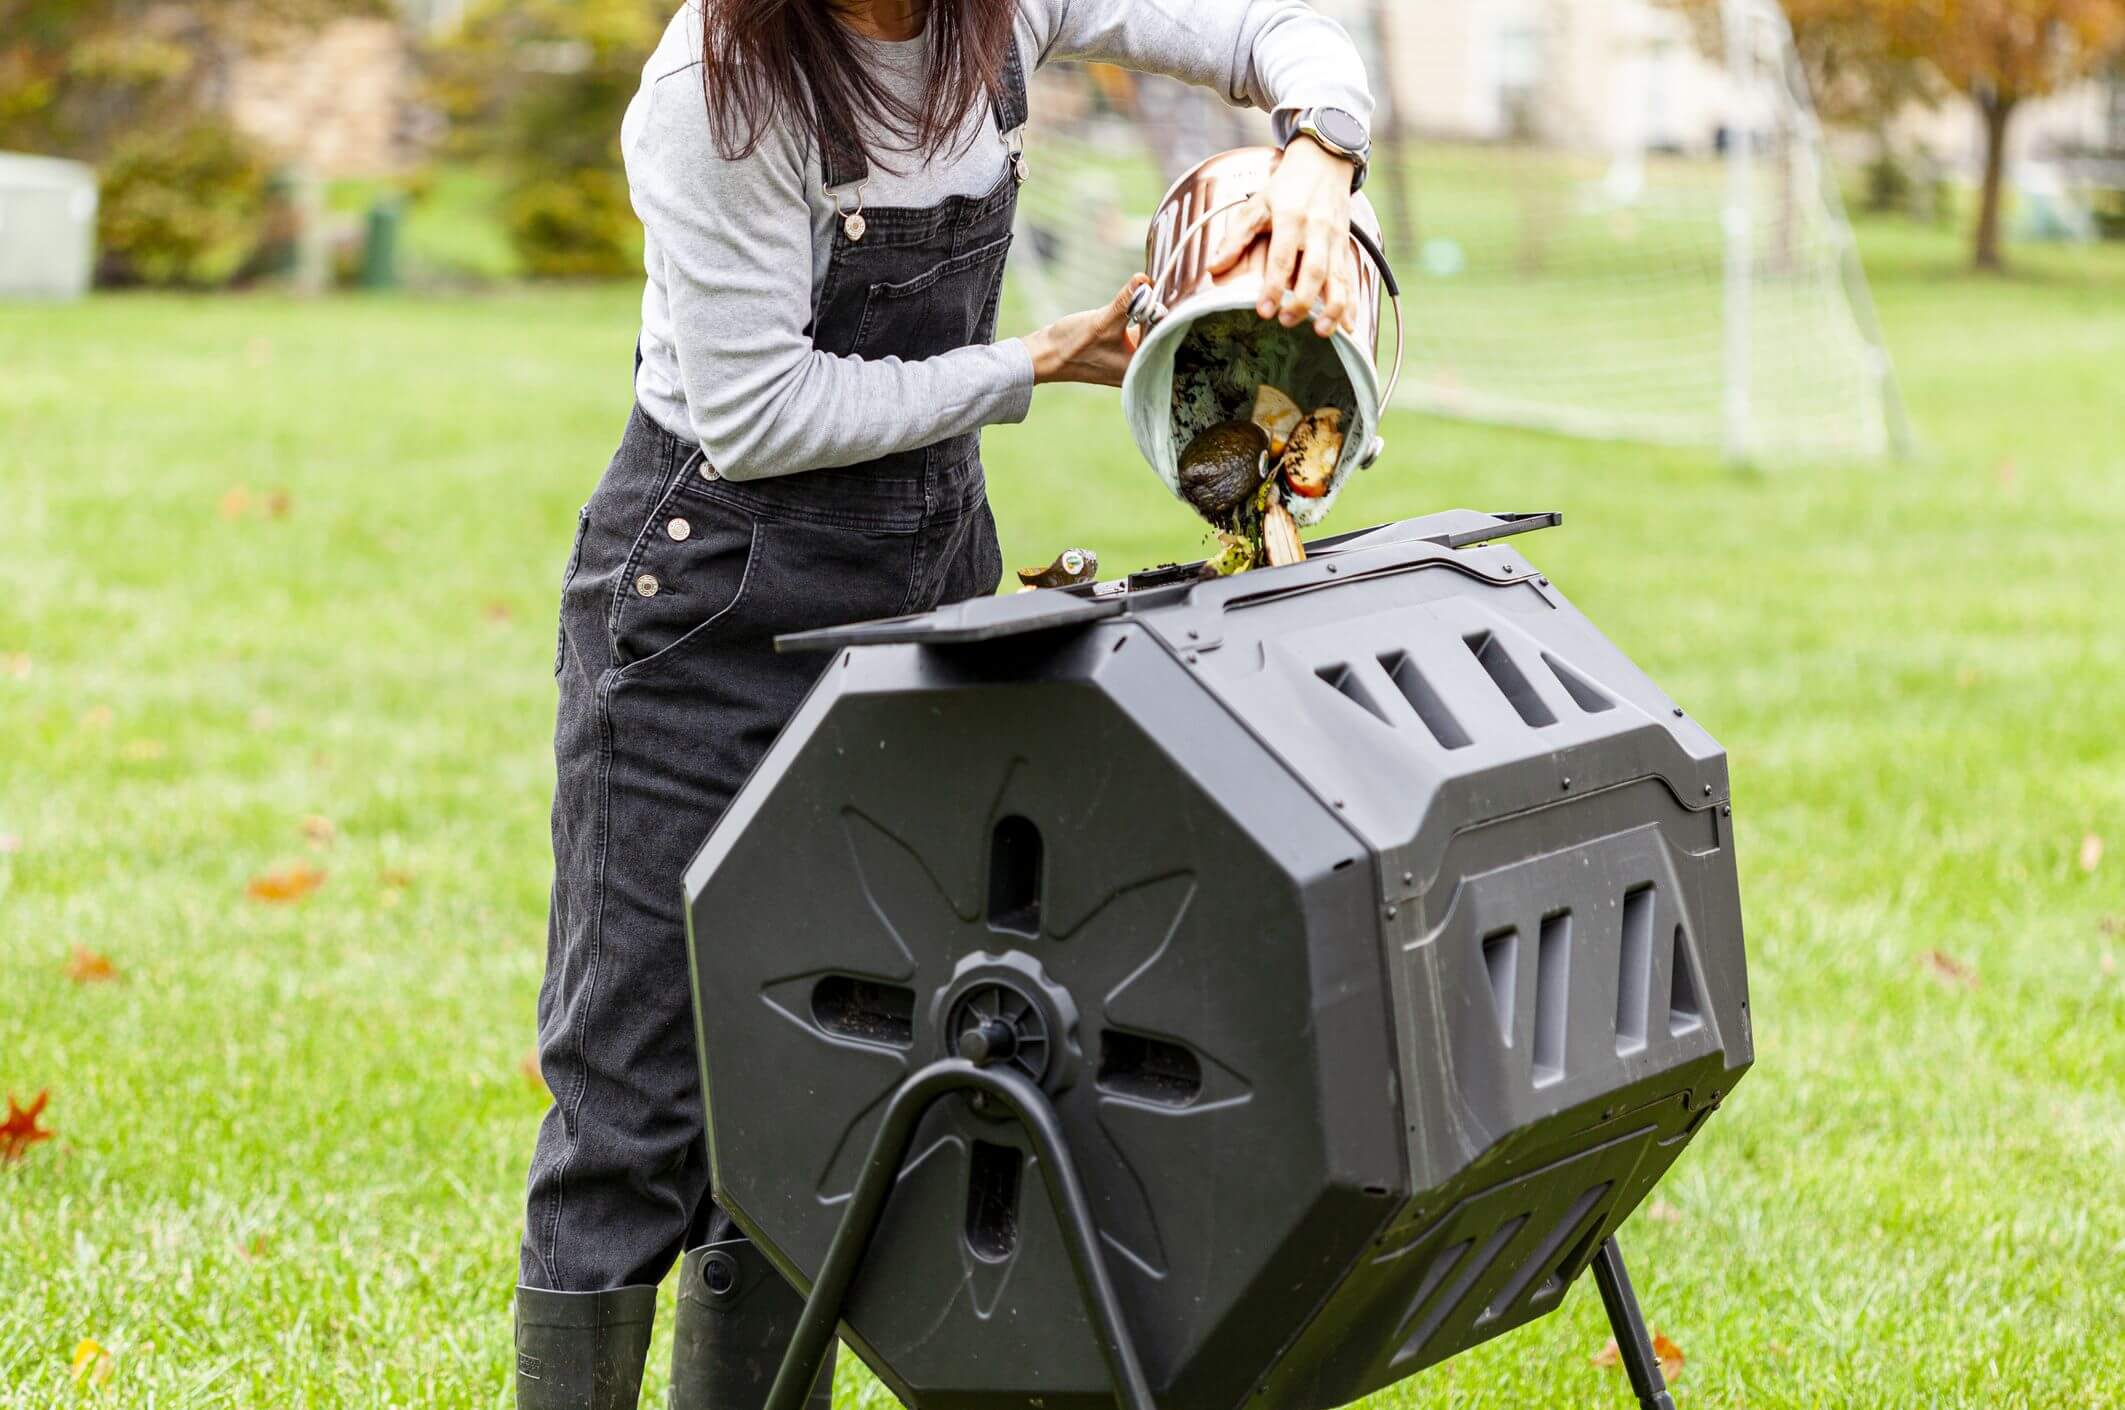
x,y
1683,1014
1501,962
1505,674
1148,1069
1014,877
1634,970
1402,670
865,1010
1584,693
1344,681
1553,996
992,1201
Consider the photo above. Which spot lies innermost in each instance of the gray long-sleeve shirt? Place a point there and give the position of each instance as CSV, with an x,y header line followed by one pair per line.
x,y
737,250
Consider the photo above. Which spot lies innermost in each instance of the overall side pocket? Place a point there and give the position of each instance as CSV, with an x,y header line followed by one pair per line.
x,y
568,578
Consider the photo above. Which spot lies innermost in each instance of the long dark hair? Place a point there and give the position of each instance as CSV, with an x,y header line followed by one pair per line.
x,y
770,61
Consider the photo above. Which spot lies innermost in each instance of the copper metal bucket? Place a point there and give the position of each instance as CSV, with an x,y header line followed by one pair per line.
x,y
1191,225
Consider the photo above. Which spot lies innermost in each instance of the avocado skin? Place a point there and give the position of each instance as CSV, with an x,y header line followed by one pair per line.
x,y
1223,466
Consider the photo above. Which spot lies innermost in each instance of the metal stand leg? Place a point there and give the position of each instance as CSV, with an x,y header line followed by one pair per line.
x,y
1632,1339
889,1151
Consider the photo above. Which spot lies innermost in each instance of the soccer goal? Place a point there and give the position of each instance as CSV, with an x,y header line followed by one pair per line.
x,y
1611,218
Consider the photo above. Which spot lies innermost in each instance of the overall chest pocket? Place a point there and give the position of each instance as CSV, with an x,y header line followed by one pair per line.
x,y
946,308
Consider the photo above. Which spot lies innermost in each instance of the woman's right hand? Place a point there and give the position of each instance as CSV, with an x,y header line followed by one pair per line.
x,y
1092,347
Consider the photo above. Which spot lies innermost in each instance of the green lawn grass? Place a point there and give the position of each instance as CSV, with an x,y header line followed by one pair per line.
x,y
291,1138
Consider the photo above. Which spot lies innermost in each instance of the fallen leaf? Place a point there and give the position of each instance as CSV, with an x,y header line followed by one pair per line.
x,y
278,503
20,1131
397,878
142,751
92,1364
1947,971
285,883
86,966
498,612
318,830
1670,1355
2091,852
235,500
10,842
1609,1356
528,1066
96,717
18,664
1661,1212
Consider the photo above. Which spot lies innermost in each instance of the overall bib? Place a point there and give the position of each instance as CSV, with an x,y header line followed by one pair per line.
x,y
670,694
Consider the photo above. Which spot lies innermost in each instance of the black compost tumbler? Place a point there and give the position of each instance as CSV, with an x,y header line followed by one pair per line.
x,y
1199,993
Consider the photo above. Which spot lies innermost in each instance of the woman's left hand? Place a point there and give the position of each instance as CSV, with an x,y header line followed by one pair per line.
x,y
1306,210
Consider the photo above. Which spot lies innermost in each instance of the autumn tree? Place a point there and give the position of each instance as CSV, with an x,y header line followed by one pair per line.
x,y
2000,54
78,75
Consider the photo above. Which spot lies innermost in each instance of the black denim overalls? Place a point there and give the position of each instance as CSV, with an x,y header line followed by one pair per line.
x,y
671,692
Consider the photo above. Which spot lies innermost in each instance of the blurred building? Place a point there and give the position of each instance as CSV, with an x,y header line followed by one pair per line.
x,y
340,102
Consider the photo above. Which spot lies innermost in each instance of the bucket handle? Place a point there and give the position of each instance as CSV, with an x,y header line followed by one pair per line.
x,y
1146,310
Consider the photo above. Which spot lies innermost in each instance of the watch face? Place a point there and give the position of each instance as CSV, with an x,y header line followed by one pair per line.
x,y
1343,129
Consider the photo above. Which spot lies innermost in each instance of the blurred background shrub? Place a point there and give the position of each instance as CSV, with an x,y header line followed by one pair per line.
x,y
185,205
538,87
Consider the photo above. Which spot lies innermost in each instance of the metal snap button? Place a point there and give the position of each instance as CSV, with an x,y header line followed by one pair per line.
x,y
708,471
679,530
646,585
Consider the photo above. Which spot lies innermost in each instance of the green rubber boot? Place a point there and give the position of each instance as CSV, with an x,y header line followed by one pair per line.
x,y
582,1351
736,1318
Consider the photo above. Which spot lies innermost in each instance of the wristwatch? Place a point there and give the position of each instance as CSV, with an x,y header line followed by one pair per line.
x,y
1343,134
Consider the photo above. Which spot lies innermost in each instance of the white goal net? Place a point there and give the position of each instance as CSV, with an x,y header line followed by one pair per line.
x,y
1608,220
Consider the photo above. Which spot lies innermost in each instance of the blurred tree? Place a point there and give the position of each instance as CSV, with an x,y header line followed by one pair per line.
x,y
138,87
541,86
78,76
1866,60
2000,54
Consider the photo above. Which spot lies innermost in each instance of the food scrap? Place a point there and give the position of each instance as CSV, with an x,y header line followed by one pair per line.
x,y
1237,474
1072,568
1223,467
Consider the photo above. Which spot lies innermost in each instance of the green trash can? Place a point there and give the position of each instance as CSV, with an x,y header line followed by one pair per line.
x,y
380,244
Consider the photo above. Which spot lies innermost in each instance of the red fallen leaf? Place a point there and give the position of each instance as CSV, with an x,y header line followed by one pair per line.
x,y
528,1066
1664,1350
20,1131
1947,971
2091,855
289,883
318,830
85,966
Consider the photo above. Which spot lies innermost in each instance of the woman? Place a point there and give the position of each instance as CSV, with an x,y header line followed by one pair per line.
x,y
828,189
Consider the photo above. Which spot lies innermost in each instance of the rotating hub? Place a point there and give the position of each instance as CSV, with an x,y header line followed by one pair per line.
x,y
1004,1011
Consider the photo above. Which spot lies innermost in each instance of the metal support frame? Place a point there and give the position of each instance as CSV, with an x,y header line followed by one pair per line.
x,y
1025,1102
1640,1361
889,1152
